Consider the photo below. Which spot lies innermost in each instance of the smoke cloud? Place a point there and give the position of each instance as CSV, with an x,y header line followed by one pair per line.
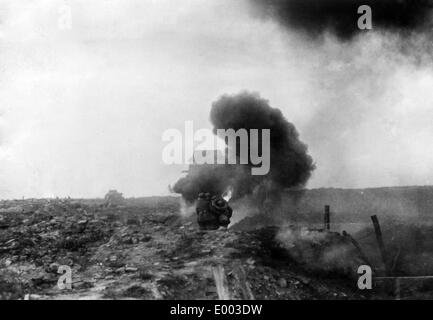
x,y
340,17
290,164
364,92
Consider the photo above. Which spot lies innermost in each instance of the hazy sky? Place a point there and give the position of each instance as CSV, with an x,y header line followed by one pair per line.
x,y
83,106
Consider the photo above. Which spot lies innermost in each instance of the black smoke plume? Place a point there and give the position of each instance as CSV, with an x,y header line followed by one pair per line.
x,y
290,164
315,17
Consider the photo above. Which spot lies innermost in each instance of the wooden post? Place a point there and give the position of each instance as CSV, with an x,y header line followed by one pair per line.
x,y
380,243
241,277
327,219
397,289
360,251
221,283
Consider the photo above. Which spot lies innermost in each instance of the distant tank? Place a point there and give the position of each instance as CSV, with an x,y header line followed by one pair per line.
x,y
213,212
114,198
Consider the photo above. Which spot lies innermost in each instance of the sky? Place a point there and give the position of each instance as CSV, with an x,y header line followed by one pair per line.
x,y
88,88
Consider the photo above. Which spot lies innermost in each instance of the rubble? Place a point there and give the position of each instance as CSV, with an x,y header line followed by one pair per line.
x,y
165,256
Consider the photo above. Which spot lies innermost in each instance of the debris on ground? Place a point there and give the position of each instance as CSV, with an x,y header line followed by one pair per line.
x,y
142,251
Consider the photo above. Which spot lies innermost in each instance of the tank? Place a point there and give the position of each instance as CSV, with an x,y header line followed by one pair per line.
x,y
213,212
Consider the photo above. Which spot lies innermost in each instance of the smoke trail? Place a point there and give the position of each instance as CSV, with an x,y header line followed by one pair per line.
x,y
290,164
339,17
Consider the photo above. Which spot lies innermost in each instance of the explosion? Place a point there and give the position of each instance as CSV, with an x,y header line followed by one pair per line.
x,y
227,195
290,163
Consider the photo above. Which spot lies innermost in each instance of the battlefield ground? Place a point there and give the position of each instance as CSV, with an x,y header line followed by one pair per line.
x,y
144,248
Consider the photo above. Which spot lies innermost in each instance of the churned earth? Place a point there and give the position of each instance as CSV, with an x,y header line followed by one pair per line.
x,y
144,249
